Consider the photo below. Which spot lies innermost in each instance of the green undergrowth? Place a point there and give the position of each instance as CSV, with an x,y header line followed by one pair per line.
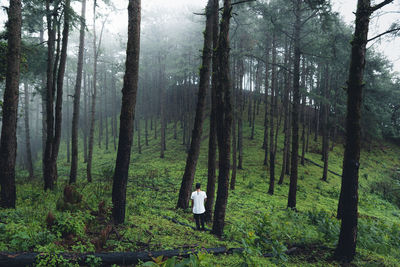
x,y
255,220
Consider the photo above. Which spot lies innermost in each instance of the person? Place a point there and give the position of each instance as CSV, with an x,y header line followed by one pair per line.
x,y
198,198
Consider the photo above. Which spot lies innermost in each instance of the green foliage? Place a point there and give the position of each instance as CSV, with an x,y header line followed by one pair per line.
x,y
194,260
48,259
93,261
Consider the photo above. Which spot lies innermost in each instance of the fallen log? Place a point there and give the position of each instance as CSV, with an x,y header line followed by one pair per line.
x,y
316,164
119,258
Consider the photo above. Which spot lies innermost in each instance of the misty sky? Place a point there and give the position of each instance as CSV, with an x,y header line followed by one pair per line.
x,y
117,20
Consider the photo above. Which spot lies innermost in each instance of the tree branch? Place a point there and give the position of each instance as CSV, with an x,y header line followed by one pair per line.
x,y
378,6
384,33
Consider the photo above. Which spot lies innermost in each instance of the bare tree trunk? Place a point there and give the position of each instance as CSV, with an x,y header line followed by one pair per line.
x,y
212,141
325,126
265,144
295,112
194,151
271,121
77,97
348,202
303,113
8,146
27,133
286,122
224,119
161,85
240,118
129,92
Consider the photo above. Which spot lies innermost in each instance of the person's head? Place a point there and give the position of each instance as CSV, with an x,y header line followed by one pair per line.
x,y
198,186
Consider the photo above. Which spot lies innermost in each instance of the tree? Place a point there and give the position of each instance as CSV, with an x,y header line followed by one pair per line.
x,y
224,120
77,98
8,143
212,139
129,92
194,151
348,201
27,132
54,84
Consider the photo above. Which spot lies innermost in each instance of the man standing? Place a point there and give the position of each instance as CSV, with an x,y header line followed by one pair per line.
x,y
198,197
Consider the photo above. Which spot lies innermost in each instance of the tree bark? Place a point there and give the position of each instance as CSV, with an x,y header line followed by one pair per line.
x,y
27,133
194,151
271,121
296,104
348,202
77,97
93,107
224,120
127,116
8,144
212,141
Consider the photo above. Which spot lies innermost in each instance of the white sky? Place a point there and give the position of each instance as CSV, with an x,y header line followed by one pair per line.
x,y
117,20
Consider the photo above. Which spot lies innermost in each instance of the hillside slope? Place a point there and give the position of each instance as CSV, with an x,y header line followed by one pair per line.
x,y
255,220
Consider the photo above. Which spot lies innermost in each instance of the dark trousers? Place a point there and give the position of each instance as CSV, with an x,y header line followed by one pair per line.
x,y
199,219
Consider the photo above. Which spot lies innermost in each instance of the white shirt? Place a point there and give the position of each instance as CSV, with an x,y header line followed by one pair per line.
x,y
198,202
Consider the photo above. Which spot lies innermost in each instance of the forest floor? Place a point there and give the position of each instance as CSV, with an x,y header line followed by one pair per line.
x,y
255,220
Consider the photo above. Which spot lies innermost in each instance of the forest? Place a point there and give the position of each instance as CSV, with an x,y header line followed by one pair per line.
x,y
113,114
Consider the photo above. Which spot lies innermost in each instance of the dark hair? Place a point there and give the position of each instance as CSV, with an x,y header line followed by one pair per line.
x,y
198,186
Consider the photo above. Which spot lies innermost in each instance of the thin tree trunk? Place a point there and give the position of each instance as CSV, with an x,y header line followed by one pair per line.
x,y
265,144
194,151
271,121
77,97
27,133
295,112
240,118
286,116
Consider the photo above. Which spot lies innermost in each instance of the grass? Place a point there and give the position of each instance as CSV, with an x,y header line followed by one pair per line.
x,y
254,220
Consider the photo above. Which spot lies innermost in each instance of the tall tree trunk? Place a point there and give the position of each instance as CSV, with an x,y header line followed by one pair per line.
x,y
194,151
93,106
346,247
27,132
296,104
234,143
85,117
286,116
271,121
129,92
212,141
8,145
224,120
240,117
161,85
48,182
265,143
54,138
303,113
325,125
77,97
